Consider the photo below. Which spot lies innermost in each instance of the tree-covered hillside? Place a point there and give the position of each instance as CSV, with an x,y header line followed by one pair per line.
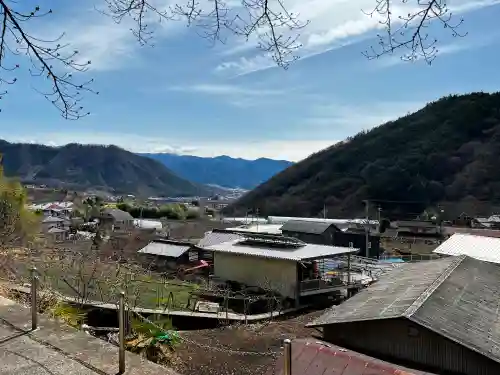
x,y
449,151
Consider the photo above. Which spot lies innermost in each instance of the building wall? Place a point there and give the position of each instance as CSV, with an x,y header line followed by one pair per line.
x,y
401,341
279,275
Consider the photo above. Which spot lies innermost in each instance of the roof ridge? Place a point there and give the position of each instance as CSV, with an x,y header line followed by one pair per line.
x,y
435,284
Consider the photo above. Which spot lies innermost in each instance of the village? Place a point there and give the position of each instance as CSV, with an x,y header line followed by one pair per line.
x,y
422,294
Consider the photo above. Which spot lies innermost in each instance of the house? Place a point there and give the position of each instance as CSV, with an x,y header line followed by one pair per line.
x,y
440,316
166,255
422,228
57,234
325,233
315,357
480,247
116,220
52,222
285,265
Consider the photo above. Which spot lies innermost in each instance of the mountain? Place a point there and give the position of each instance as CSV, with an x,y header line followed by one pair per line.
x,y
84,166
222,170
445,154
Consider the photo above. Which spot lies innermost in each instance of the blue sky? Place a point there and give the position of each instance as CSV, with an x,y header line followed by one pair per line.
x,y
185,95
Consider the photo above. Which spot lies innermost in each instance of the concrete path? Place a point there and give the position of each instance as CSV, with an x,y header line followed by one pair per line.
x,y
56,349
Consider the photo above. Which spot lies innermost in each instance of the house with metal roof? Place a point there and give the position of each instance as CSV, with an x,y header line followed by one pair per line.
x,y
116,219
327,233
480,247
441,315
165,255
293,268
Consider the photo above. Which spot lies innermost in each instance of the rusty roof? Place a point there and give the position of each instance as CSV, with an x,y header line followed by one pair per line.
x,y
314,357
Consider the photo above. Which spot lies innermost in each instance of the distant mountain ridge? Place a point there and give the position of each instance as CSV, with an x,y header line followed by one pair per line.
x,y
92,166
222,170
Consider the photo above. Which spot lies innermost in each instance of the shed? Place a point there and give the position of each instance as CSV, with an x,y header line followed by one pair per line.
x,y
164,255
285,265
120,220
439,315
57,234
327,233
314,357
479,247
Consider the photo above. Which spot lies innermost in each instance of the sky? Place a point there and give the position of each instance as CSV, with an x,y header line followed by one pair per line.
x,y
187,95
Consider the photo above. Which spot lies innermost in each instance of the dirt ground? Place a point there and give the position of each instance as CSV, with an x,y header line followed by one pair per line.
x,y
222,351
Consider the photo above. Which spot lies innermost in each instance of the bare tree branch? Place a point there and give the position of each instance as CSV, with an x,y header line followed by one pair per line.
x,y
269,20
410,31
49,60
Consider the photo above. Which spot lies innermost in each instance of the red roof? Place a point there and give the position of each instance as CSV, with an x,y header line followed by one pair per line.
x,y
314,357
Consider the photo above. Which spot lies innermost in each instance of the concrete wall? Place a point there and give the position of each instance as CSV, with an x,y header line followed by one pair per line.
x,y
401,341
279,275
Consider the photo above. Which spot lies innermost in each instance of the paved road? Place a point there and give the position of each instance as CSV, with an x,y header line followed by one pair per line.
x,y
23,355
20,354
56,349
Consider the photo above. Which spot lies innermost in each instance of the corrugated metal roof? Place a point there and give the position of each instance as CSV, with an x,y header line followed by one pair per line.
x,y
52,219
164,249
307,251
215,238
456,297
479,247
314,357
303,226
390,296
117,214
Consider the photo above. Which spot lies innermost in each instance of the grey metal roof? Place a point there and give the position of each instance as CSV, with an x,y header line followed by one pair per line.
x,y
118,214
456,297
215,238
479,247
303,252
303,226
52,219
56,230
164,249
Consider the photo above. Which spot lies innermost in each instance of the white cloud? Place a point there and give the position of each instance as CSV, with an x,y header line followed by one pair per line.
x,y
236,95
225,90
293,150
333,24
350,119
98,38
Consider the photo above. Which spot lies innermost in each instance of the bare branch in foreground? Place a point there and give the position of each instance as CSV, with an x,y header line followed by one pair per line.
x,y
268,20
410,31
49,60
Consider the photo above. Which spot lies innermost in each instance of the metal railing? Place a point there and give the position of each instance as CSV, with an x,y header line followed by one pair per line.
x,y
121,318
411,257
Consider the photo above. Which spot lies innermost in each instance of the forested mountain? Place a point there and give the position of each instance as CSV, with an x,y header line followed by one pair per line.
x,y
222,170
85,166
448,151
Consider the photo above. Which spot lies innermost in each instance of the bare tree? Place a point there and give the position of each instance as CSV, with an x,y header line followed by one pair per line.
x,y
409,31
268,22
49,60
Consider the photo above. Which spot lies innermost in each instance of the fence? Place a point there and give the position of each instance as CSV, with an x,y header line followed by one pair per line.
x,y
411,257
123,311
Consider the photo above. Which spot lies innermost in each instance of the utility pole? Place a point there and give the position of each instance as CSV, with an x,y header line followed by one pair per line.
x,y
257,213
324,211
367,228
